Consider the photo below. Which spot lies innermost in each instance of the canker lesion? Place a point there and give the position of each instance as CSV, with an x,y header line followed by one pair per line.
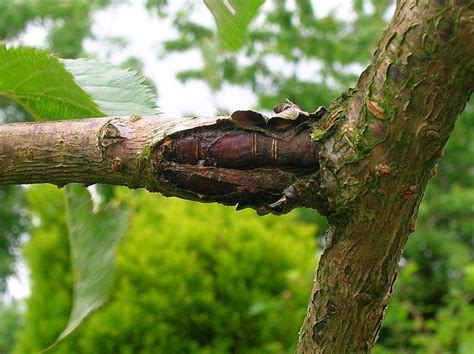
x,y
241,149
232,165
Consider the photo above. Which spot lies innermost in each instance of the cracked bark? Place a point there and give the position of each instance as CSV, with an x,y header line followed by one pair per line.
x,y
248,159
365,167
374,168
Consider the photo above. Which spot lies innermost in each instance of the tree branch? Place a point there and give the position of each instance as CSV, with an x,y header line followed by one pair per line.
x,y
247,159
389,133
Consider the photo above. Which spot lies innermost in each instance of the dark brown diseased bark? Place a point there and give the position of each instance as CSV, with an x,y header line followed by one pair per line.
x,y
262,164
241,149
247,160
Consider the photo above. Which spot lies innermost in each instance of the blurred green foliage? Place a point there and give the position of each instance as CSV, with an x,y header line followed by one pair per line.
x,y
14,223
172,292
291,51
47,255
192,279
10,323
69,21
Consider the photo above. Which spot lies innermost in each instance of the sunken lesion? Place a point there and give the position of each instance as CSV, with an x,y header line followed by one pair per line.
x,y
241,149
248,160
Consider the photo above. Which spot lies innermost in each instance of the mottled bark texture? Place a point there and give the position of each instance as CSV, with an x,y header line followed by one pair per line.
x,y
365,167
388,135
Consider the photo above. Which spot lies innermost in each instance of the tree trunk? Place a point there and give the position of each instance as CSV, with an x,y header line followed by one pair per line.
x,y
374,168
365,167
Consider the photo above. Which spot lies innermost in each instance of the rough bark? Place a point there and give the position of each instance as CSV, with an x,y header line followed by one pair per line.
x,y
366,168
389,134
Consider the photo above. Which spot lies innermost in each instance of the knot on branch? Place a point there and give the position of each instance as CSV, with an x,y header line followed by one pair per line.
x,y
112,142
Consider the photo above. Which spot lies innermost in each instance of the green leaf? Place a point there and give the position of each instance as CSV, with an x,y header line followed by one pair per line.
x,y
52,89
93,238
232,19
41,84
117,91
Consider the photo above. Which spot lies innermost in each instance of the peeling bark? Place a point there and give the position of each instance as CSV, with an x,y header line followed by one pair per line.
x,y
247,160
